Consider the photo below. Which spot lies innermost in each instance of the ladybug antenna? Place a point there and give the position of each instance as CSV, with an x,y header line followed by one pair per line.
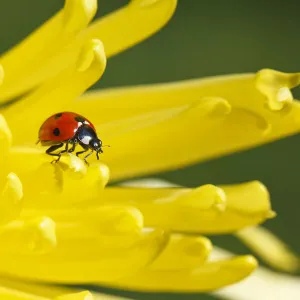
x,y
105,146
37,142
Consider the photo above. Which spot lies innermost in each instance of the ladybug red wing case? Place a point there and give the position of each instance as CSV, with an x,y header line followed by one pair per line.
x,y
62,126
68,130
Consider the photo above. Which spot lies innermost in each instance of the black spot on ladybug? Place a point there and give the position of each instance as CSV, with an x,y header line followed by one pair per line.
x,y
56,131
57,116
79,119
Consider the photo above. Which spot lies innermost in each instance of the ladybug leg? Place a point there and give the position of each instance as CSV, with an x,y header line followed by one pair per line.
x,y
80,152
53,148
72,148
86,148
87,157
66,149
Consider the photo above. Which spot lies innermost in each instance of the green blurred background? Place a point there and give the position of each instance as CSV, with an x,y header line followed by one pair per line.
x,y
205,38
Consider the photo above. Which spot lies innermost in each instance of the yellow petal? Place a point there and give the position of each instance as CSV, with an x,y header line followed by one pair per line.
x,y
85,295
11,199
74,167
31,62
38,175
1,74
34,236
47,292
89,296
109,221
44,58
270,248
5,137
162,141
92,184
30,163
182,252
13,294
10,294
119,30
276,87
69,180
206,209
130,25
87,259
200,136
52,96
206,277
77,296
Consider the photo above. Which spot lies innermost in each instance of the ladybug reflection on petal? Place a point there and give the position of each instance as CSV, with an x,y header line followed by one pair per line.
x,y
69,129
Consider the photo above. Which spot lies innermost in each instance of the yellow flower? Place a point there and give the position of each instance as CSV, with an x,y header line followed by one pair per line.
x,y
59,223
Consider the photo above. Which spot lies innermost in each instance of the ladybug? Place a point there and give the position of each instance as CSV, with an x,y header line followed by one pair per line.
x,y
69,129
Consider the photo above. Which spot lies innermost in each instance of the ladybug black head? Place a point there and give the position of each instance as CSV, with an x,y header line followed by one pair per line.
x,y
96,145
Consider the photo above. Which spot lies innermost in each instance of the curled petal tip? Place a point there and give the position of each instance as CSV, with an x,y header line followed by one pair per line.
x,y
220,196
93,50
86,295
192,251
212,107
204,197
201,246
29,237
276,87
138,218
261,199
14,184
257,185
219,107
43,234
130,220
79,13
5,135
98,174
93,179
271,214
99,51
246,262
73,166
11,198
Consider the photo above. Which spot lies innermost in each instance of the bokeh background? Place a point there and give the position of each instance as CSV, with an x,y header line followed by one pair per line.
x,y
205,38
